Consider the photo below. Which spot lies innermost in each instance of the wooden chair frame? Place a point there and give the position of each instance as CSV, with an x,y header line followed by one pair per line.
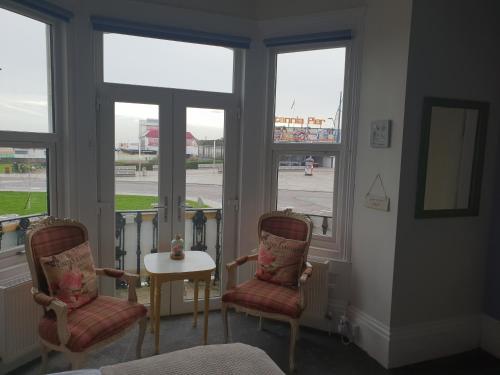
x,y
307,271
60,309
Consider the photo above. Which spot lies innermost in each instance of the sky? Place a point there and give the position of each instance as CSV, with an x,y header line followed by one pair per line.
x,y
308,83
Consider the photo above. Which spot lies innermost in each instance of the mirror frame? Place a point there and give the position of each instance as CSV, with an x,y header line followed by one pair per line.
x,y
478,161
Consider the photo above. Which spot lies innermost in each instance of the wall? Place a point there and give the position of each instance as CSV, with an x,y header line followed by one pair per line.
x,y
382,96
439,263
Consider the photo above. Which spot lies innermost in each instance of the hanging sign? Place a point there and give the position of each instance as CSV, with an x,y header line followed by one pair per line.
x,y
377,202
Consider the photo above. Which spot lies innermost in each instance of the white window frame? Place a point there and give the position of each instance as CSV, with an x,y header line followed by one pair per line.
x,y
51,140
336,247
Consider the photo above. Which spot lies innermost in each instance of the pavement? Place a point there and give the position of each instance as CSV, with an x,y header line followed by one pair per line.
x,y
307,194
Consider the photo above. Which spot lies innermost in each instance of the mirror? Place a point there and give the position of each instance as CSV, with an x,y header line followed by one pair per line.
x,y
451,157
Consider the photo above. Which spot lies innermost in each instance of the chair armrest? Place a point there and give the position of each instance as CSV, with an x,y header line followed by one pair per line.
x,y
306,274
59,308
231,268
130,278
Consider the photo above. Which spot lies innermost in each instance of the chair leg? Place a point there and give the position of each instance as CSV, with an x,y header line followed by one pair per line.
x,y
225,322
77,360
260,323
294,329
140,339
45,357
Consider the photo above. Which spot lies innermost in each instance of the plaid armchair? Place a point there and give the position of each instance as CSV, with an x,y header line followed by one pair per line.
x,y
264,299
90,326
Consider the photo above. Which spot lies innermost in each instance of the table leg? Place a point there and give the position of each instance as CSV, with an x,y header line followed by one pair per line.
x,y
157,315
207,300
195,302
152,302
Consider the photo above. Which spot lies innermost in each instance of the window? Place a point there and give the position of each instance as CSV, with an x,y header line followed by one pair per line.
x,y
28,134
308,139
144,61
25,75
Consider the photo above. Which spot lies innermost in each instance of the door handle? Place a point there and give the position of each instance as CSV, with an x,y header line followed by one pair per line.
x,y
180,206
165,209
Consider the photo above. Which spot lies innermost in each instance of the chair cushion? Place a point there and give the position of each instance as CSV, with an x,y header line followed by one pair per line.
x,y
94,322
266,297
280,259
71,275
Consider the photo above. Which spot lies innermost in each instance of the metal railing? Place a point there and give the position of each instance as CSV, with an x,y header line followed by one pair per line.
x,y
204,233
17,226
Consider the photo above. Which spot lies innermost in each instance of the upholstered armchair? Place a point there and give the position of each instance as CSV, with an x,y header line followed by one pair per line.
x,y
265,299
78,331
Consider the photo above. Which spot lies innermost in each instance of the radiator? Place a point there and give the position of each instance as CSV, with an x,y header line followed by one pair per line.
x,y
316,294
19,317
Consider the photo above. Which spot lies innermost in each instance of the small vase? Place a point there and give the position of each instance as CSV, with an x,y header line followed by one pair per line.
x,y
177,248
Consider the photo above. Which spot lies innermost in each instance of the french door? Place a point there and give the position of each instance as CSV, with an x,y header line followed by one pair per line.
x,y
168,164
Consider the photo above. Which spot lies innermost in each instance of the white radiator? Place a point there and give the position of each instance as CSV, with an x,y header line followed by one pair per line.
x,y
19,316
316,293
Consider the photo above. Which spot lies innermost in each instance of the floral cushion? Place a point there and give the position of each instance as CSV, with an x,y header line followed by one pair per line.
x,y
280,259
71,276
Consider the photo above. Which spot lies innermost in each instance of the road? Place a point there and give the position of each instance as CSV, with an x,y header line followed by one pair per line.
x,y
308,194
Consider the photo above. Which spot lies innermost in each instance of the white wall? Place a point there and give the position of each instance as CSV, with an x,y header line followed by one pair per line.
x,y
440,263
382,96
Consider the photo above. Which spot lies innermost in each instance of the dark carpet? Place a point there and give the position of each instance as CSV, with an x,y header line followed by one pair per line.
x,y
317,352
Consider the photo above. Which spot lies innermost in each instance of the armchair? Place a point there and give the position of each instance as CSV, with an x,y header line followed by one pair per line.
x,y
265,299
87,327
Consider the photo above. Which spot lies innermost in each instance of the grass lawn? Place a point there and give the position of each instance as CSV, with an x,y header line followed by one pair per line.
x,y
142,202
15,202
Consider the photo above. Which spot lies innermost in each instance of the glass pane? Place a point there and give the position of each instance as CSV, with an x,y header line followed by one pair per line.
x,y
24,74
308,102
306,185
23,192
204,177
136,190
164,63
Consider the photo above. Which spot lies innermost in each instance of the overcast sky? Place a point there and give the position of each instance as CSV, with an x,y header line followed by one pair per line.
x,y
308,83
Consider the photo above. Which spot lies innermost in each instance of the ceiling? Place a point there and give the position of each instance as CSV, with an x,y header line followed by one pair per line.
x,y
261,9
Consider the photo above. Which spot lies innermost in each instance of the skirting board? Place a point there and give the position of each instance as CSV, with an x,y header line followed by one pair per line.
x,y
430,340
402,346
373,337
490,335
27,357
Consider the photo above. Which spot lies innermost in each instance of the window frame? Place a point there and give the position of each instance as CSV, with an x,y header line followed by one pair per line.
x,y
52,139
336,247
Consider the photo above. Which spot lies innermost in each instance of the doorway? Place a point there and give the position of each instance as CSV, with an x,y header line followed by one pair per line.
x,y
168,163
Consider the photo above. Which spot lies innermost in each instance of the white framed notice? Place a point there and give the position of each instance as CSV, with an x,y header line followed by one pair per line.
x,y
380,134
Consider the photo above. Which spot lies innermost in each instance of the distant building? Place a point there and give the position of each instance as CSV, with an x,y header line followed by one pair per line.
x,y
149,137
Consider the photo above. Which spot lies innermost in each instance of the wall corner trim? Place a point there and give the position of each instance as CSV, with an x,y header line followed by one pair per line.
x,y
429,340
400,346
374,336
490,335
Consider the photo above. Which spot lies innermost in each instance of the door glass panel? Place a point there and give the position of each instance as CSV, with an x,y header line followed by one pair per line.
x,y
306,185
136,190
144,61
23,192
24,74
204,189
308,100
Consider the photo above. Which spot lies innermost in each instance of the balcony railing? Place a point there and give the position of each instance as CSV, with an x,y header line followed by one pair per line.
x,y
13,230
136,234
